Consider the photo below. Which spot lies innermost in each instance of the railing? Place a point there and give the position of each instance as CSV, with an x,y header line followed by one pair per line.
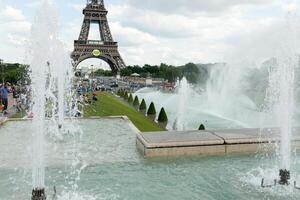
x,y
94,42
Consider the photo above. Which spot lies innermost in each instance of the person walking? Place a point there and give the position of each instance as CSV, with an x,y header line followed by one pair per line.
x,y
4,97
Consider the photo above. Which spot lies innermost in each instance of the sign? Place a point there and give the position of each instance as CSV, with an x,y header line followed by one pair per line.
x,y
96,53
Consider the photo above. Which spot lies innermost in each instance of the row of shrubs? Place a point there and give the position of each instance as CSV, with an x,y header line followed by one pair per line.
x,y
142,107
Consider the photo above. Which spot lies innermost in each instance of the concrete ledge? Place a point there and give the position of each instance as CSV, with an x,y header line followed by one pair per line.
x,y
185,151
179,139
215,142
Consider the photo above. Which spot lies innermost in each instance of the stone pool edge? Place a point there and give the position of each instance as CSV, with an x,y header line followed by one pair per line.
x,y
207,143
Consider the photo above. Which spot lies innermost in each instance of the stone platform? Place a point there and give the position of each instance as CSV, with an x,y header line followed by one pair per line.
x,y
213,142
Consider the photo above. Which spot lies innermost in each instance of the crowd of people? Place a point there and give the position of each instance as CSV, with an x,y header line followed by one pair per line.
x,y
10,95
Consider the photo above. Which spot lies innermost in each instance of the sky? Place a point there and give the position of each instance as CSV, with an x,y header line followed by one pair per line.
x,y
152,31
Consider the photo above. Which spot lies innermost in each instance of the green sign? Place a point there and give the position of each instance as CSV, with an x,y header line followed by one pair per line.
x,y
96,53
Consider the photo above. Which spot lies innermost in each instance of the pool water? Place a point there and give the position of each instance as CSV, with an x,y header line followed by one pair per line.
x,y
106,165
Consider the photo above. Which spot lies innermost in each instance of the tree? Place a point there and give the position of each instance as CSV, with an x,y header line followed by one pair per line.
x,y
201,127
130,99
151,110
162,117
102,72
126,95
136,102
15,73
191,72
143,105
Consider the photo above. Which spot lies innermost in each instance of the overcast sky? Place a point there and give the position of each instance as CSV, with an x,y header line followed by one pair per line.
x,y
152,31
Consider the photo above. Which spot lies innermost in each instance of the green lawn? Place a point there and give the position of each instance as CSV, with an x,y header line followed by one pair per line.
x,y
109,105
18,115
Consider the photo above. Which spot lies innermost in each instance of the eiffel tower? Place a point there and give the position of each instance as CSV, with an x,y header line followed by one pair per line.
x,y
105,48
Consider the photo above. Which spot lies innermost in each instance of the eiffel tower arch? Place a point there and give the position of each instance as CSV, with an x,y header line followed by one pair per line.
x,y
105,48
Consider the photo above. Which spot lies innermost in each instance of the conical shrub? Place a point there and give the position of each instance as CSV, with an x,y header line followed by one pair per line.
x,y
143,106
152,112
201,127
162,117
130,99
136,102
126,95
121,93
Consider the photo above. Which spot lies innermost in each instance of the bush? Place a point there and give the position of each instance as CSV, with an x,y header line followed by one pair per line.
x,y
119,92
151,110
126,95
136,101
201,127
130,99
143,105
162,117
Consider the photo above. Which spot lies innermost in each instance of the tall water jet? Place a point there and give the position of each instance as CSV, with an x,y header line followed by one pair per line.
x,y
183,93
61,63
281,94
42,36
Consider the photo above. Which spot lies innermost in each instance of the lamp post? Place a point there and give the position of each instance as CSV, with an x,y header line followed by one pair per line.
x,y
92,86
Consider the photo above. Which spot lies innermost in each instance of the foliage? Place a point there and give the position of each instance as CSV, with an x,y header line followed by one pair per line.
x,y
151,110
143,105
201,127
15,73
136,101
193,72
162,117
130,99
102,72
126,95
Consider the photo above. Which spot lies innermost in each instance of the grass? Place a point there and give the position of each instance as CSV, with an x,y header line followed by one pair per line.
x,y
109,105
18,115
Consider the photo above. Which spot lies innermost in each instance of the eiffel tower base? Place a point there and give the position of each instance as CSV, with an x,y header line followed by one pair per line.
x,y
38,194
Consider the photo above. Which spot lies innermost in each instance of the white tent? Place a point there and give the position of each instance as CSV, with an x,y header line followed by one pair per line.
x,y
135,75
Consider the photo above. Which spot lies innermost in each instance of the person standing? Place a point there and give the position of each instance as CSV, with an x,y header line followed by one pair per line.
x,y
4,97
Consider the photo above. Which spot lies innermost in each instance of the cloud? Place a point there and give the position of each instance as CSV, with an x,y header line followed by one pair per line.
x,y
131,36
190,6
12,13
17,40
77,7
16,26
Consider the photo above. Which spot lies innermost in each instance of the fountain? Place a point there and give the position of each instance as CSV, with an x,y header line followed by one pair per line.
x,y
280,94
184,94
49,69
114,170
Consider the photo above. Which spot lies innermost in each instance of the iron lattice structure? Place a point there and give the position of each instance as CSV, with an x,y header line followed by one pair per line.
x,y
105,48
